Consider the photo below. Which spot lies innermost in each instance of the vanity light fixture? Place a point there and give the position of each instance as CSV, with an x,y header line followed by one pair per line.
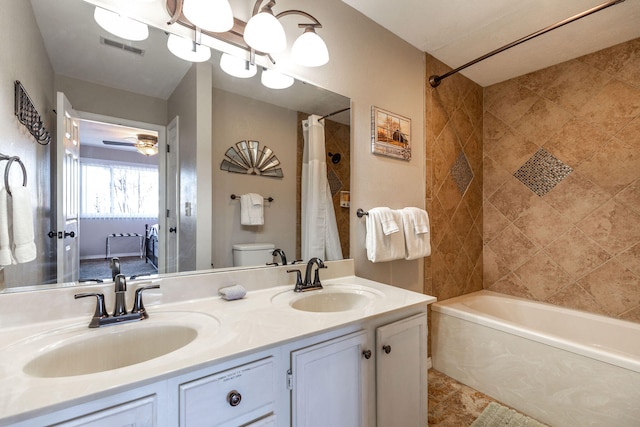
x,y
265,34
120,25
210,15
147,144
275,80
237,67
187,49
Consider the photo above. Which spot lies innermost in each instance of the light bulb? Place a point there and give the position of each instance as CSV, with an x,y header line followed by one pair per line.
x,y
210,15
265,33
237,67
309,49
121,26
186,49
275,80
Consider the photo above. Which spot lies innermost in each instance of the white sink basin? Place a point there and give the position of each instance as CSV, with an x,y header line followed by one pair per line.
x,y
90,351
330,299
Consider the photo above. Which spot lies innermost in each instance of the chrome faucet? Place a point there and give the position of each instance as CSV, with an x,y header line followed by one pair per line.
x,y
283,257
120,315
308,285
114,264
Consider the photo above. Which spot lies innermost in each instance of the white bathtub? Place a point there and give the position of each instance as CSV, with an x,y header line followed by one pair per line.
x,y
563,367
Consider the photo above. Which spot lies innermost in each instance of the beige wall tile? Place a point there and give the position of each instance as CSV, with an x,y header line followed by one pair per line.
x,y
542,276
613,226
576,197
577,253
613,287
613,107
575,142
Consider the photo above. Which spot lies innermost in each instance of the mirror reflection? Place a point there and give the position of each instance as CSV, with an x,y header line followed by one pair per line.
x,y
122,95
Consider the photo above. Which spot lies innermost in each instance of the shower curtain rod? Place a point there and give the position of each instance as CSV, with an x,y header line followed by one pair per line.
x,y
435,80
334,113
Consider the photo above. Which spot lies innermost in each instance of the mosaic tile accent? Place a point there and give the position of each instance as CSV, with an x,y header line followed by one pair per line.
x,y
542,172
461,173
334,182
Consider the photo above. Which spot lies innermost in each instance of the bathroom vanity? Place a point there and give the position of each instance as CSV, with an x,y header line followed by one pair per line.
x,y
353,353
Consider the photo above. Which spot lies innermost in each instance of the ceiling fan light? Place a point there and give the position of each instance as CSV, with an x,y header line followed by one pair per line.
x,y
309,49
147,144
265,33
237,67
210,15
186,49
121,26
275,80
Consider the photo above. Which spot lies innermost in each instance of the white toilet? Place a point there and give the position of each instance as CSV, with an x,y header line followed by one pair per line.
x,y
251,254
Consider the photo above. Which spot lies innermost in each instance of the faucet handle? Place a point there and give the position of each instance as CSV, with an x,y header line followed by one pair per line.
x,y
138,306
101,309
299,285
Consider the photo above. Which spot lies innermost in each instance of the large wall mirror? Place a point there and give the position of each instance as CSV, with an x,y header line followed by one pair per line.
x,y
124,92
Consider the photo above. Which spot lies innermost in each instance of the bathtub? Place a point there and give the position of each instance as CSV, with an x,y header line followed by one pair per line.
x,y
563,367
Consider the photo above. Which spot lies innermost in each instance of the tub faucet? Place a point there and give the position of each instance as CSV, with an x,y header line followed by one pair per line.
x,y
114,264
283,257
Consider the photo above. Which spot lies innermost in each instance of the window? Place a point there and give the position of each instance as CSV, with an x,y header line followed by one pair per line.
x,y
118,191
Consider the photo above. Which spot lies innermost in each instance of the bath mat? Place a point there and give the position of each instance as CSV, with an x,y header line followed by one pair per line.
x,y
496,415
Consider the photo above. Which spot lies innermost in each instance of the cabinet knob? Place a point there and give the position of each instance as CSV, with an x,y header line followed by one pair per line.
x,y
366,354
386,348
234,397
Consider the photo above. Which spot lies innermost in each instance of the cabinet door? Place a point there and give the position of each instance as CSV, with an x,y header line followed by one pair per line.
x,y
139,413
330,383
401,374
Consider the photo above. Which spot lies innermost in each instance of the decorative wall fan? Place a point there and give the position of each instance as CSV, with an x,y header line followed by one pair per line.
x,y
145,144
248,158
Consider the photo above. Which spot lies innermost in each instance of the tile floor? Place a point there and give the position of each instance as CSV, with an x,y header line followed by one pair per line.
x,y
453,404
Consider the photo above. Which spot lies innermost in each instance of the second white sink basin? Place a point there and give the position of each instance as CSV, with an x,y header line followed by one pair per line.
x,y
112,347
330,299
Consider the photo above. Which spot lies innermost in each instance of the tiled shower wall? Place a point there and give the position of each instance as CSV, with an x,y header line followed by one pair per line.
x,y
562,184
454,184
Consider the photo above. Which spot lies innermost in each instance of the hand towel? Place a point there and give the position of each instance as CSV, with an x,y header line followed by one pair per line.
x,y
387,219
251,209
415,224
381,246
232,292
23,238
6,257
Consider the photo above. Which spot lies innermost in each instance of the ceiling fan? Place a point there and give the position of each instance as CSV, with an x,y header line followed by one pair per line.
x,y
145,144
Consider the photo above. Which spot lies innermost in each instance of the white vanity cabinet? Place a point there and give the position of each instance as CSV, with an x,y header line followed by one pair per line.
x,y
401,373
330,382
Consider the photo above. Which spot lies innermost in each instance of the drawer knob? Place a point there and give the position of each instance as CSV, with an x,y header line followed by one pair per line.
x,y
367,354
234,397
386,348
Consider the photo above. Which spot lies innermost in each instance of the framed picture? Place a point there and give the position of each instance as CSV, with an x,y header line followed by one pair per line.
x,y
390,134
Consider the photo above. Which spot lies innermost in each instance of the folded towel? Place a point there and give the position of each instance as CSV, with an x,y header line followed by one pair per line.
x,y
23,238
383,246
232,292
6,257
387,219
251,209
415,223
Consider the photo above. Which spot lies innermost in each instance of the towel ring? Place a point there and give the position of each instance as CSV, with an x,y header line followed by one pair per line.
x,y
7,169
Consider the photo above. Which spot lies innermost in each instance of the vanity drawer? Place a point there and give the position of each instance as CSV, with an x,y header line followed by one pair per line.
x,y
230,397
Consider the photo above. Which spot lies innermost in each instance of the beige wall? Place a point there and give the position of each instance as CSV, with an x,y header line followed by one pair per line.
x,y
578,245
20,35
236,118
454,191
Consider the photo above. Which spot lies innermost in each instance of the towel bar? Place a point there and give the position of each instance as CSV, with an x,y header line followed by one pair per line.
x,y
361,213
268,199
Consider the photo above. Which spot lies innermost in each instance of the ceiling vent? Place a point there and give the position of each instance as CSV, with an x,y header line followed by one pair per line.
x,y
122,46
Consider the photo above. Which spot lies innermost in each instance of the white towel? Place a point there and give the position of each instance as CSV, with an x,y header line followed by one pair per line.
x,y
6,257
251,209
380,245
415,223
23,237
232,292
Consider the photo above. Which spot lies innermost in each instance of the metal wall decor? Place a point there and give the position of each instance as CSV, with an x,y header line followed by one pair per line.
x,y
29,116
248,158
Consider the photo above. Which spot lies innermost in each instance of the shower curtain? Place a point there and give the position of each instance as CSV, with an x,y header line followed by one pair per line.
x,y
318,222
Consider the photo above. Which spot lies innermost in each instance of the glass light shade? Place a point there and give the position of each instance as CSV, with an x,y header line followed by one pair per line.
x,y
121,26
147,144
210,15
275,80
183,48
237,67
309,50
265,33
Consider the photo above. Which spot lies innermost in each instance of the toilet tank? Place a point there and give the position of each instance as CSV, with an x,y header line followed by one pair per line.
x,y
251,254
